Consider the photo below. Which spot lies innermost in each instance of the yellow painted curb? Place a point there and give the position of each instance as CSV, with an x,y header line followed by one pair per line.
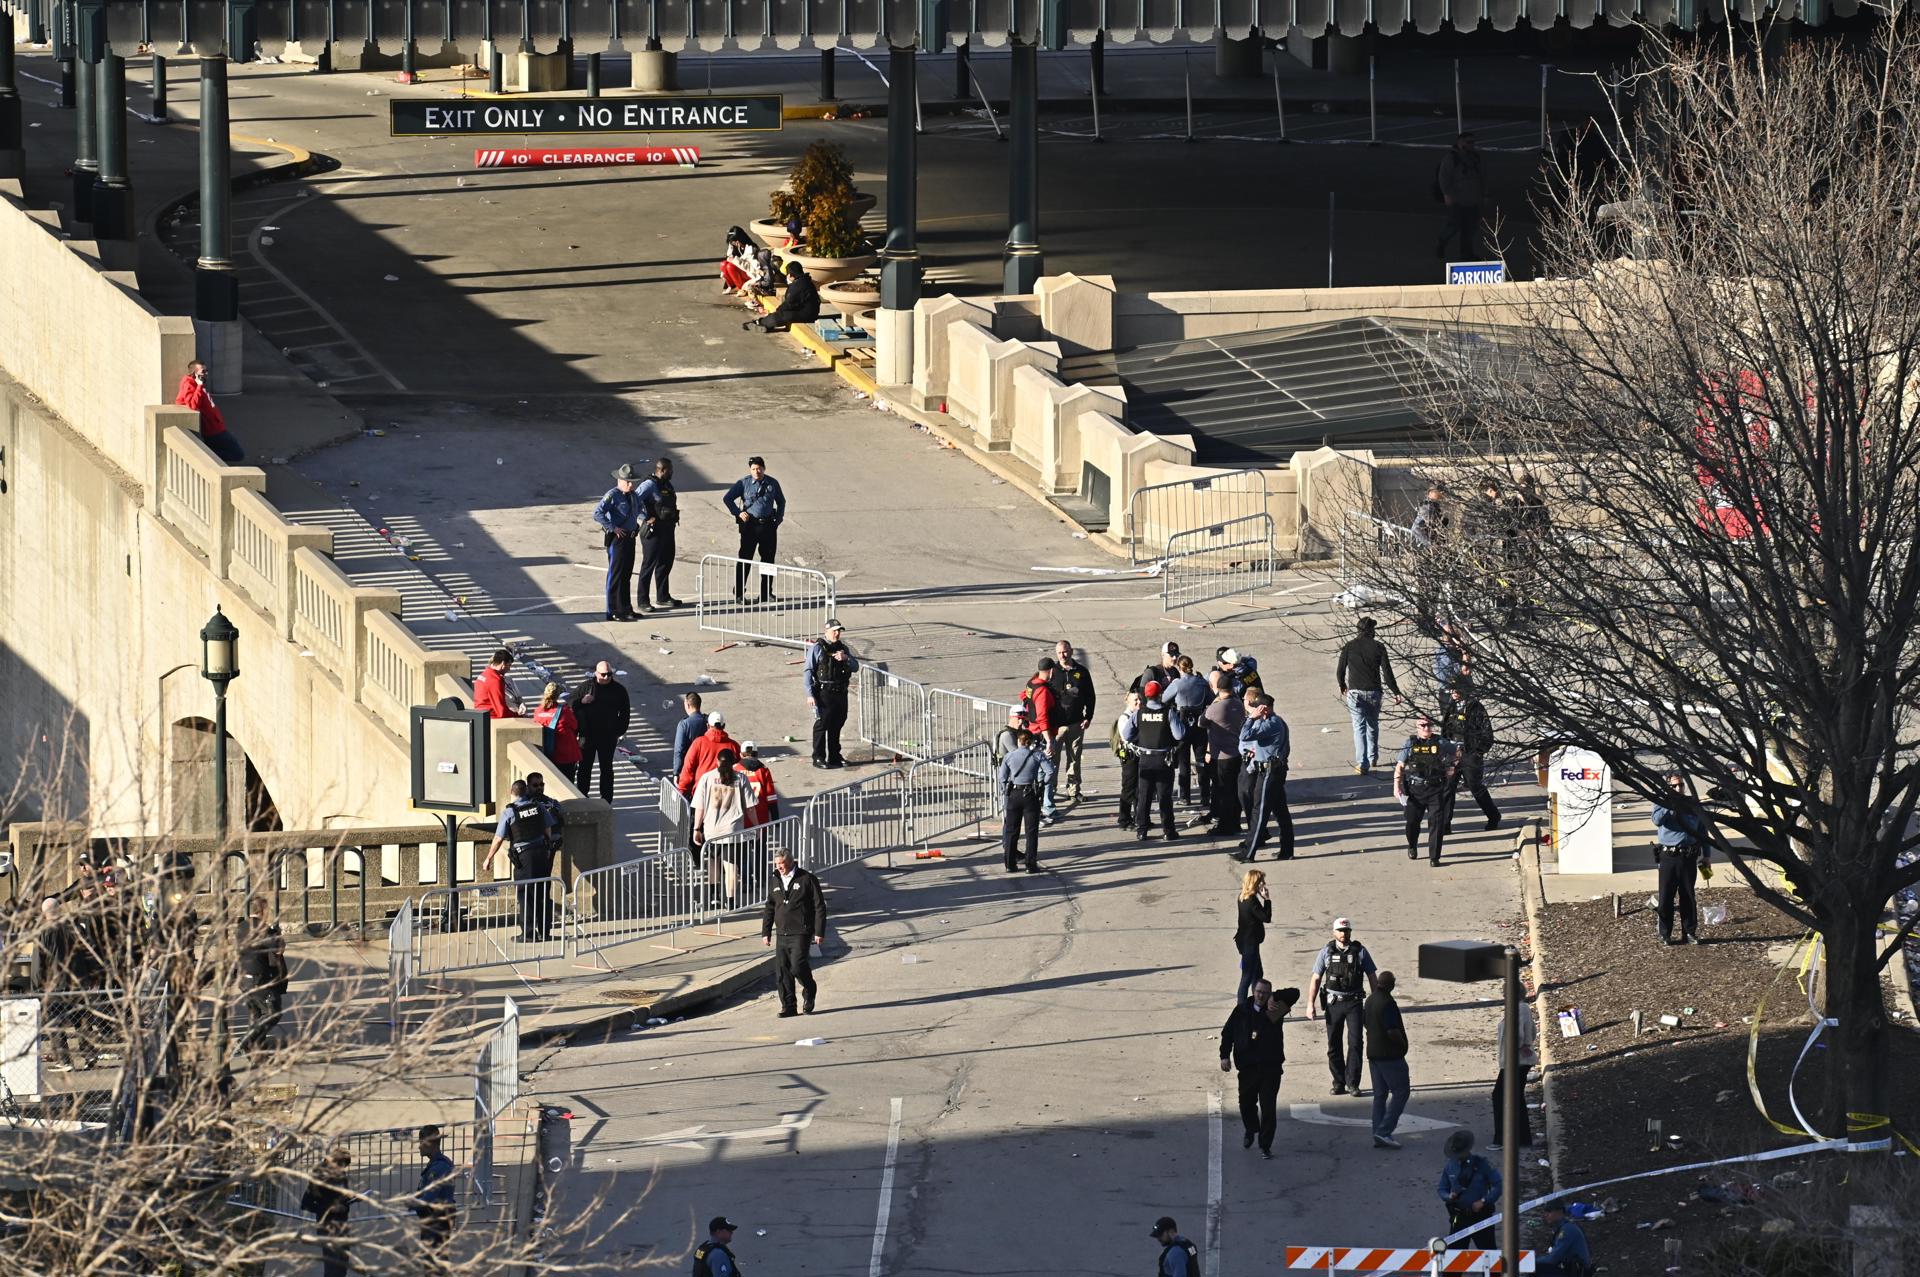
x,y
857,377
812,111
811,340
299,154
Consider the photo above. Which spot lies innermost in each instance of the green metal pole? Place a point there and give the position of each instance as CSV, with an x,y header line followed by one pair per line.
x,y
1024,263
216,290
157,110
86,167
113,192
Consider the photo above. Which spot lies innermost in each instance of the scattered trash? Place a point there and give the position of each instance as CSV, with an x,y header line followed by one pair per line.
x,y
811,1042
909,959
1079,536
930,854
452,615
653,1020
723,647
1656,1225
787,739
499,461
759,1232
1686,1011
391,279
278,461
1723,1096
266,241
1636,1022
1670,1021
666,651
702,680
1570,1026
1714,915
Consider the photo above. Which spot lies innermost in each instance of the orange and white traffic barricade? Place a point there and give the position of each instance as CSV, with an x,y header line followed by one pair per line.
x,y
1416,1259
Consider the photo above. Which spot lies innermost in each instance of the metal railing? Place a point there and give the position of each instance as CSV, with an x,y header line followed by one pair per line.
x,y
765,602
383,1167
633,900
893,715
949,796
1371,550
851,822
1157,512
1217,562
957,721
480,924
677,813
740,865
402,965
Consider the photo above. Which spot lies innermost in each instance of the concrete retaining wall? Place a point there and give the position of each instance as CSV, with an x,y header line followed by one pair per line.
x,y
1141,319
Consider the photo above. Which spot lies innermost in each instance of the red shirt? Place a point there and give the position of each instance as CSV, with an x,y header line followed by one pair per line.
x,y
490,693
194,395
764,794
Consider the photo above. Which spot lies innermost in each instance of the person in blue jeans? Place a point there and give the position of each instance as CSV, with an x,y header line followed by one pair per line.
x,y
1256,911
1365,673
1567,1253
1386,1060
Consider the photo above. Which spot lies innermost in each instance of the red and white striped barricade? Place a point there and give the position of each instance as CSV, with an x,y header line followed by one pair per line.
x,y
1416,1259
584,156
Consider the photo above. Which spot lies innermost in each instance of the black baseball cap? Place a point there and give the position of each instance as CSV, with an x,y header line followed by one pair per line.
x,y
720,1223
1164,1224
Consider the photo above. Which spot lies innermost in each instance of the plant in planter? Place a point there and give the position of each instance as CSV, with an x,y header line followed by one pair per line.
x,y
822,167
831,230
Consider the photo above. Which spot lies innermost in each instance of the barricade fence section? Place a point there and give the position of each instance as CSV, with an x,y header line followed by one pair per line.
x,y
949,798
956,722
893,713
765,602
1373,550
402,963
740,865
676,813
486,924
1160,511
383,1168
633,900
851,822
1217,562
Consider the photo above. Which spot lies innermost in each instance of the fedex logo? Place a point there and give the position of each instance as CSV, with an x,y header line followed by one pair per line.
x,y
1585,773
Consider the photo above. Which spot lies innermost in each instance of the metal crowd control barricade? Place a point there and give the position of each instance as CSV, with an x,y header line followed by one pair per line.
x,y
893,713
950,797
1217,562
1159,511
739,866
765,602
478,925
634,900
850,822
402,963
677,812
1378,549
956,722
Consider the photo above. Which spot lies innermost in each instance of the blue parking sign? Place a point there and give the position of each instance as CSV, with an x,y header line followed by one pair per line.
x,y
1476,272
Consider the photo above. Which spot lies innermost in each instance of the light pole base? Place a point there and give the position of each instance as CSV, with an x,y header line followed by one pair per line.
x,y
893,347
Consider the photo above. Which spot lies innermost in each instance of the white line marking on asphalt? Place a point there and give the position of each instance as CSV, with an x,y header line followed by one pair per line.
x,y
886,1192
692,1136
1213,1184
253,247
1409,1124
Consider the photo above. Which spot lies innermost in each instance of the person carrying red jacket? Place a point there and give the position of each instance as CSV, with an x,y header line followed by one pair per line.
x,y
704,754
1037,696
213,425
766,799
490,691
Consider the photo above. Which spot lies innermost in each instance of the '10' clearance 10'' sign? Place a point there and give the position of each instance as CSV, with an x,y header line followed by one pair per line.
x,y
683,113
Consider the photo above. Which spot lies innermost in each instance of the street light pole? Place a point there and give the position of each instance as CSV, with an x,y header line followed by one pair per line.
x,y
1512,1096
220,665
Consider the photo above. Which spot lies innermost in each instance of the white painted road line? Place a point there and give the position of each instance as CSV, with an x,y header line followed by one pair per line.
x,y
1213,1184
886,1192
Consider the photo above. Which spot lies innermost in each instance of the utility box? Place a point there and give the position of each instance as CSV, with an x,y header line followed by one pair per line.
x,y
1580,789
20,1047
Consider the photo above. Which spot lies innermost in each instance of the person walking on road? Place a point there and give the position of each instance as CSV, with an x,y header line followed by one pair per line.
x,y
704,754
213,424
618,515
1464,721
1340,970
1223,720
797,913
331,1205
1153,731
1253,1041
1462,188
1365,673
1469,1189
1265,746
603,709
1129,762
1178,1256
1025,775
714,1256
759,506
434,1204
1682,851
1073,698
659,522
1421,781
1386,1060
830,667
688,730
1255,912
490,690
1529,1060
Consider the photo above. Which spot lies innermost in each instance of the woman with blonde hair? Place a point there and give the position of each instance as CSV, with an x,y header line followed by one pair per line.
x,y
561,739
1256,911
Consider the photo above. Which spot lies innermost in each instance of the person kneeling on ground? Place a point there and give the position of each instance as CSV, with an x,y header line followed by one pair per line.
x,y
801,305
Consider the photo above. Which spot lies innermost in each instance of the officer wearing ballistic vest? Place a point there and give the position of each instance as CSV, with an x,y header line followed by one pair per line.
x,y
529,827
1178,1256
714,1256
1423,781
660,517
1265,746
830,667
1153,730
1339,970
1024,775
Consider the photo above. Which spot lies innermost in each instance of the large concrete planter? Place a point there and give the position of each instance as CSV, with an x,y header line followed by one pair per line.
x,y
829,270
862,204
770,234
847,300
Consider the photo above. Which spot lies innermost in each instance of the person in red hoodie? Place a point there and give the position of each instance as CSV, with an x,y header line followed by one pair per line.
x,y
490,691
704,753
213,426
766,799
1042,708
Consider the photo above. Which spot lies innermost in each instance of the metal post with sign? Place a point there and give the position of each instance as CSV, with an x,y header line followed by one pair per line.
x,y
662,113
451,751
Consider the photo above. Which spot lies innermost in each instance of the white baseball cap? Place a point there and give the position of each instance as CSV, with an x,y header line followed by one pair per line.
x,y
716,719
1229,657
1341,924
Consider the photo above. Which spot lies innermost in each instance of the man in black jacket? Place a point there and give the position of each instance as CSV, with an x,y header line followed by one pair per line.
x,y
801,305
797,911
1464,721
602,709
1252,1041
1364,670
330,1203
1386,1060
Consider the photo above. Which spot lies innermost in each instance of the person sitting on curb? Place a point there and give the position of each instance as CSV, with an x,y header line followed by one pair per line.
x,y
801,305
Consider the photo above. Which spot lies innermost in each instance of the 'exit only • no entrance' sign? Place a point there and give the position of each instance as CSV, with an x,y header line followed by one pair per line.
x,y
684,113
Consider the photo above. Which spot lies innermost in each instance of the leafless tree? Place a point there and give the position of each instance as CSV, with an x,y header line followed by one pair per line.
x,y
1713,387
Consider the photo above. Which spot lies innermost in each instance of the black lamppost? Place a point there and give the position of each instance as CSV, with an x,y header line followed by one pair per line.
x,y
219,665
1466,962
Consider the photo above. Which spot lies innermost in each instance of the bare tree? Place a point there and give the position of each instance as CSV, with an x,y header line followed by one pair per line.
x,y
1713,387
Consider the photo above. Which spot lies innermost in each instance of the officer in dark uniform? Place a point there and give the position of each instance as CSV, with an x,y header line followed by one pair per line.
x,y
830,667
1422,780
618,515
660,518
1682,850
1024,775
1178,1256
1339,972
1153,731
1464,721
797,909
759,506
714,1256
1265,747
1253,1040
529,827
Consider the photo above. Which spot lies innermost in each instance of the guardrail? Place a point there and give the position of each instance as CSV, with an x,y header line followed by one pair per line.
x,y
950,796
489,924
1157,512
1217,562
765,602
851,822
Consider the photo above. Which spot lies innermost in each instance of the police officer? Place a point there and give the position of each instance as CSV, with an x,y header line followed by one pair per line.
x,y
660,518
1682,850
1073,699
1178,1256
830,667
529,827
1129,763
1265,745
618,515
1339,971
1421,781
1188,694
714,1256
759,505
1153,731
1024,776
1464,721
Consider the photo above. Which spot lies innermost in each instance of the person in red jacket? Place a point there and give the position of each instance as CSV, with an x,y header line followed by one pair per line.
x,y
561,740
213,426
1042,709
766,799
704,753
490,691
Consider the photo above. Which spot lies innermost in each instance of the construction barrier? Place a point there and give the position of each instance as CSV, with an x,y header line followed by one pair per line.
x,y
1364,1259
1160,511
1217,562
893,713
479,924
765,602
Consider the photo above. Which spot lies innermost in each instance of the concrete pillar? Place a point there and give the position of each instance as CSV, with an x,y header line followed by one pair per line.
x,y
900,255
12,155
593,75
1024,264
1235,59
826,75
216,289
496,68
655,71
113,192
86,133
157,108
540,72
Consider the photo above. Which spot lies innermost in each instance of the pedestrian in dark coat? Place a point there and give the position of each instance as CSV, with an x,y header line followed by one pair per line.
x,y
1253,1042
602,709
796,913
1256,911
